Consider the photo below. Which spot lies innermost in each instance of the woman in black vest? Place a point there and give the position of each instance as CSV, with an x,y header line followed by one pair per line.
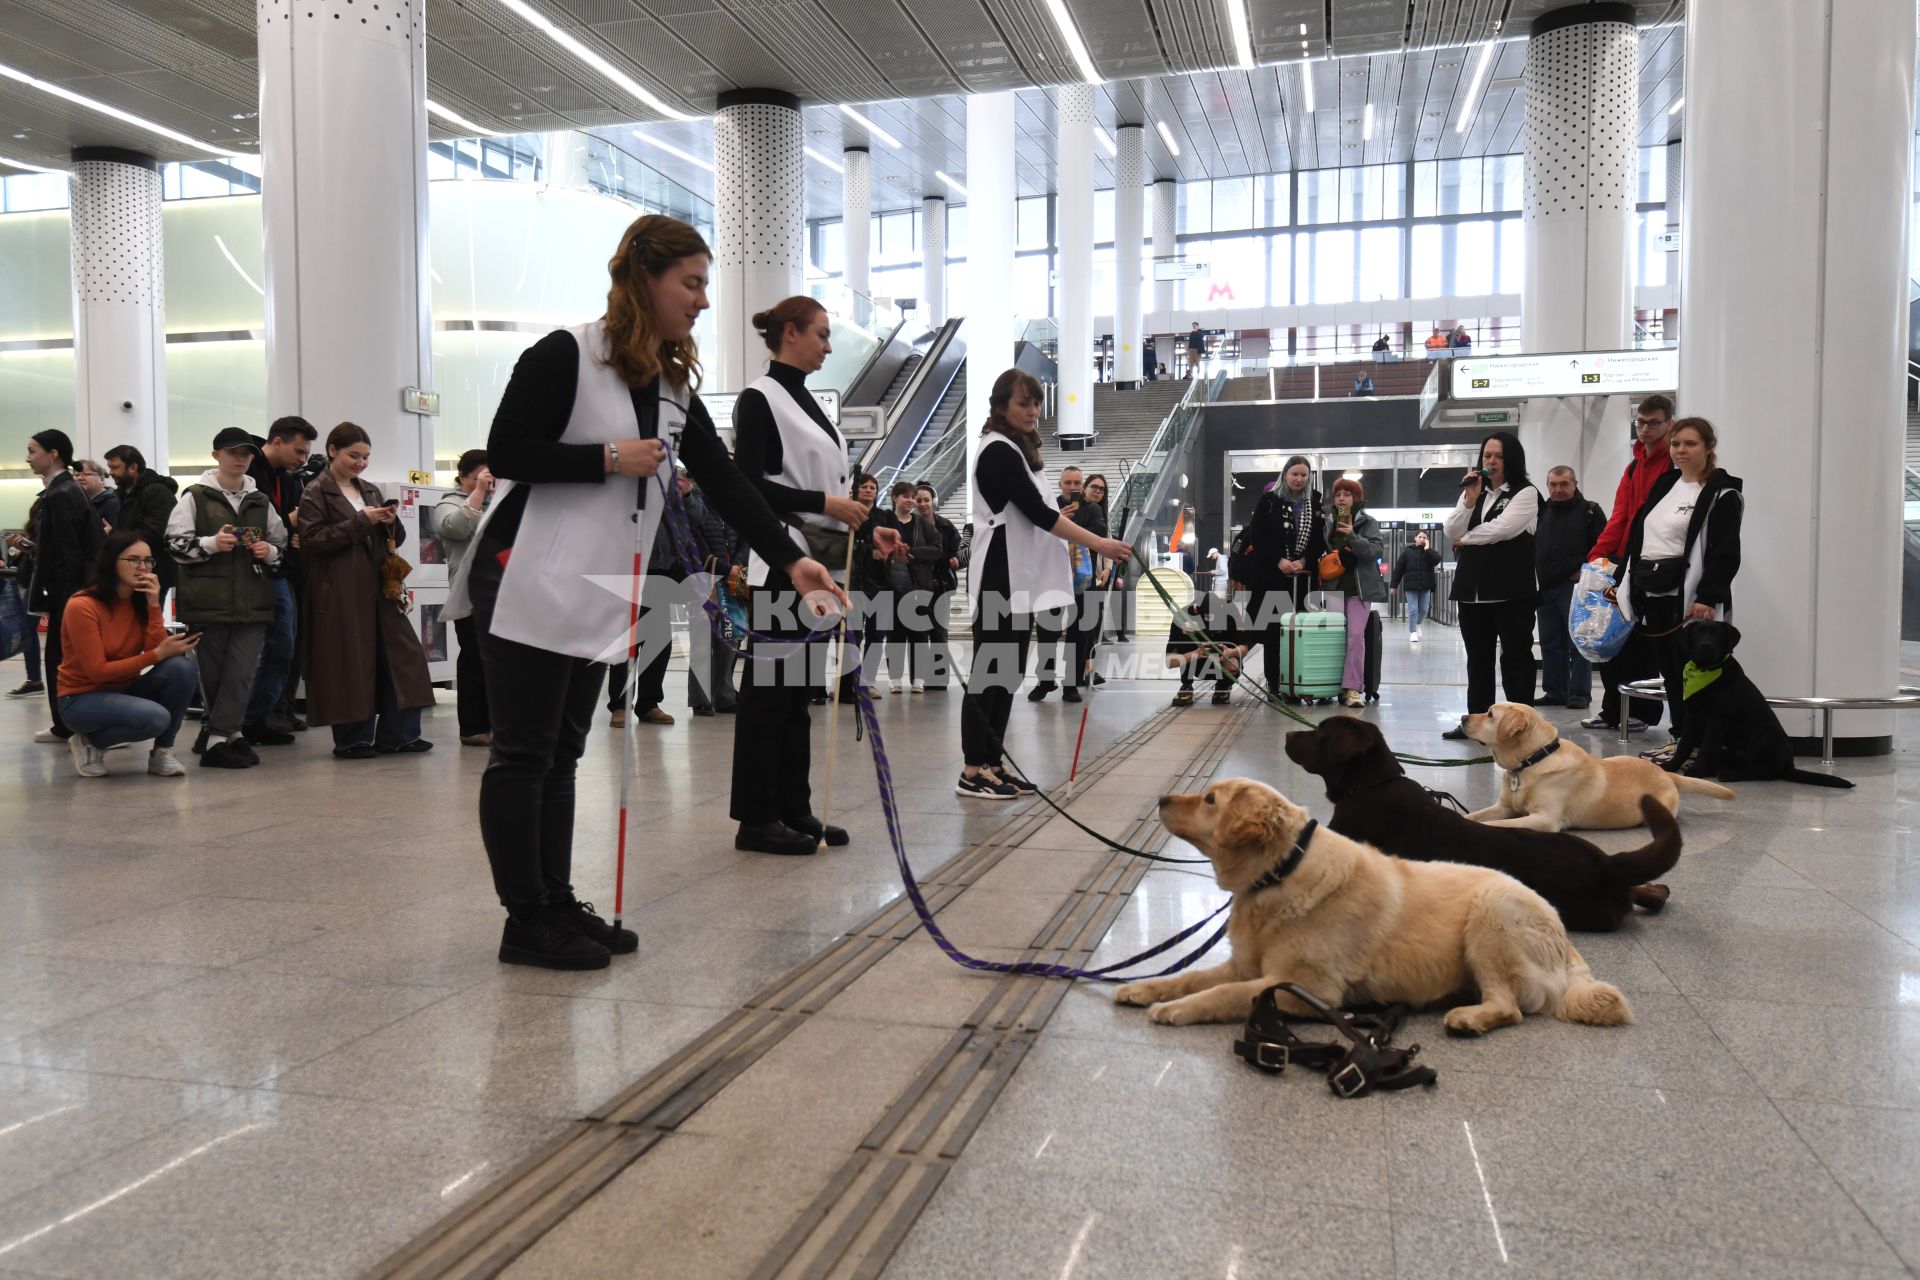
x,y
1492,535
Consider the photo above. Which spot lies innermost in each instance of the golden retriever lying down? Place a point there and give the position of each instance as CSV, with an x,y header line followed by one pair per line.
x,y
1570,788
1352,925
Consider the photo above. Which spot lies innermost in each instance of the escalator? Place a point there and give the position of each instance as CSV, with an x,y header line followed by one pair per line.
x,y
901,380
921,381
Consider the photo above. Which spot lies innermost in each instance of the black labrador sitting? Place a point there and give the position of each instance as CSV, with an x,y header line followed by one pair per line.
x,y
1375,802
1729,732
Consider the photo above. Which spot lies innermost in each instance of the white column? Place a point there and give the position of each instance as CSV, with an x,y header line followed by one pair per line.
x,y
1577,294
1129,215
760,222
991,328
348,304
1166,225
856,205
1805,223
1676,170
563,159
119,304
1074,306
933,259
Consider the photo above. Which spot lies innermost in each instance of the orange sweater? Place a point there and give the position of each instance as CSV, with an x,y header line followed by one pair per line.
x,y
102,645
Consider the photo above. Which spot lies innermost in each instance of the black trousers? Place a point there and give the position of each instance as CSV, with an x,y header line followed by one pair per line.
x,y
1087,613
1634,662
1670,656
650,690
1289,597
1508,624
50,664
1054,626
542,706
999,664
469,680
772,745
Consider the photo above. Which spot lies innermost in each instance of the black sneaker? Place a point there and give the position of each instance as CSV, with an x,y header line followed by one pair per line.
x,y
776,838
1040,691
621,942
550,937
244,749
1221,697
1184,698
27,689
1456,734
200,742
223,755
808,825
356,751
1019,784
1071,695
262,734
414,748
984,786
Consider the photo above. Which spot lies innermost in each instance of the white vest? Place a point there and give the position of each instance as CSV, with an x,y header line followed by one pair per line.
x,y
568,586
1039,574
810,459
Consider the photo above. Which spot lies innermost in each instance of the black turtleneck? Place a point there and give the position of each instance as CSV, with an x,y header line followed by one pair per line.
x,y
756,440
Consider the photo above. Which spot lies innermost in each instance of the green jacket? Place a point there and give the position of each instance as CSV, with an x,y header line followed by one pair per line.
x,y
227,586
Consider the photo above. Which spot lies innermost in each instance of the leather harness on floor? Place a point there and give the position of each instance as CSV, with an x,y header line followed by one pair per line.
x,y
1365,1063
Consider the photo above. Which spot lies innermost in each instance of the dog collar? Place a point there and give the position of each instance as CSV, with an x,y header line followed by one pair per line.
x,y
1697,678
1513,774
1289,866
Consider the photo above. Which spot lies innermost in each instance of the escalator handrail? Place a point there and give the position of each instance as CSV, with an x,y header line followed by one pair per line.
x,y
873,358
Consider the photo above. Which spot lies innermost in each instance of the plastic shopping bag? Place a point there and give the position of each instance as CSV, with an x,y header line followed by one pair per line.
x,y
1594,620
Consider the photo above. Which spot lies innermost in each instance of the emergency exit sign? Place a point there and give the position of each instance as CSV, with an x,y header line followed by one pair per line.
x,y
1495,417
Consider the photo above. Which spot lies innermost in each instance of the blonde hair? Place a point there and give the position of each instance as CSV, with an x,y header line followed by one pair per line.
x,y
648,248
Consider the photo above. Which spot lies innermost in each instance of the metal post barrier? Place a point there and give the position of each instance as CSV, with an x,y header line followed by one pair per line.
x,y
1908,696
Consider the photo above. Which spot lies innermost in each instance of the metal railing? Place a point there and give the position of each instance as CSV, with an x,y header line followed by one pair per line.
x,y
1148,490
1908,696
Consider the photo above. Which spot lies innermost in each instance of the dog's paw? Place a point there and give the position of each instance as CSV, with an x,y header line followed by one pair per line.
x,y
1476,1020
1172,1013
1135,993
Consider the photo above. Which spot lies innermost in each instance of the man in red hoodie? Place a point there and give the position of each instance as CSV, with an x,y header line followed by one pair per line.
x,y
1652,424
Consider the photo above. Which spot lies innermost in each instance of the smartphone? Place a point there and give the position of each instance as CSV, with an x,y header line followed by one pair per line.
x,y
391,502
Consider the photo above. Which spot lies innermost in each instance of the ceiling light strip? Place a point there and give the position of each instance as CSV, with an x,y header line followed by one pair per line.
x,y
828,161
1306,83
672,150
1366,124
1070,36
545,26
94,104
952,186
1674,110
1166,136
866,122
455,118
1473,90
1106,140
1242,37
11,163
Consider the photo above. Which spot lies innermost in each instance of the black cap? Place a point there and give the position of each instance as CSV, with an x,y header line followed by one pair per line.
x,y
234,438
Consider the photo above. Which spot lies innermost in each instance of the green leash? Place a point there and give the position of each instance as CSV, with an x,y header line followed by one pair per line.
x,y
1265,695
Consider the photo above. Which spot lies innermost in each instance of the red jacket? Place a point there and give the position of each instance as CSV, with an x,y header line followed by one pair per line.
x,y
1635,484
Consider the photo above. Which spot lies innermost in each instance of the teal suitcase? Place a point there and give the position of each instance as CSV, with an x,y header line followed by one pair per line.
x,y
1313,654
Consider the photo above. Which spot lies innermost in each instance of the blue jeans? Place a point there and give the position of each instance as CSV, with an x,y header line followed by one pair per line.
x,y
151,707
276,655
1418,602
1564,674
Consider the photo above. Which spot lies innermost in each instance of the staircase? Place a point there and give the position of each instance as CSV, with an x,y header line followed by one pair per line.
x,y
1913,439
1126,422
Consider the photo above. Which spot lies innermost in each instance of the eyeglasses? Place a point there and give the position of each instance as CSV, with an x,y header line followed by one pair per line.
x,y
1649,422
145,562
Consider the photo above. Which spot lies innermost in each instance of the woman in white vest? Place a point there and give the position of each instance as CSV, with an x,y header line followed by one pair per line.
x,y
1019,568
784,444
548,577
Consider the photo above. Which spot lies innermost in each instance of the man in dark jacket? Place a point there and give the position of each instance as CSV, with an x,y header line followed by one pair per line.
x,y
146,503
946,577
1569,523
276,472
67,538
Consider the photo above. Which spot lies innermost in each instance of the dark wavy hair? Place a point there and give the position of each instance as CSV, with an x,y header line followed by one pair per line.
x,y
1513,456
104,582
647,249
997,401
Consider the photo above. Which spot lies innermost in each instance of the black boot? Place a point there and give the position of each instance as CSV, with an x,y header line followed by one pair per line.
x,y
774,837
808,825
549,937
1040,691
621,941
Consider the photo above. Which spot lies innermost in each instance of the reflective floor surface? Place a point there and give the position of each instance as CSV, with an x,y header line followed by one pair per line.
x,y
251,1024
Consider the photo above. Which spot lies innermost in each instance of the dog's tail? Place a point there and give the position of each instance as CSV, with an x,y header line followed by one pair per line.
x,y
1653,859
1598,1004
1815,779
1700,786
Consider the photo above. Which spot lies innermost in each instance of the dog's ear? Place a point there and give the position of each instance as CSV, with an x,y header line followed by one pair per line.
x,y
1731,640
1252,819
1511,723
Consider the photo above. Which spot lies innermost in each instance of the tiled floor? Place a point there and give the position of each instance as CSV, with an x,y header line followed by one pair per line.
x,y
251,1024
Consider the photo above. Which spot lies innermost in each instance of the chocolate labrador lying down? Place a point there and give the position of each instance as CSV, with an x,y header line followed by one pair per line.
x,y
1375,801
1354,926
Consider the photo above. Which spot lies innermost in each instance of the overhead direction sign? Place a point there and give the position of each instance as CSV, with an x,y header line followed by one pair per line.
x,y
1582,373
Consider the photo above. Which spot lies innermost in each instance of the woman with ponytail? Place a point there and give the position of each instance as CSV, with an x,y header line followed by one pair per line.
x,y
1019,568
575,445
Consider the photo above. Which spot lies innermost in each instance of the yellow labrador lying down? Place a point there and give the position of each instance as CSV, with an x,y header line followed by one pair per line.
x,y
1549,784
1352,925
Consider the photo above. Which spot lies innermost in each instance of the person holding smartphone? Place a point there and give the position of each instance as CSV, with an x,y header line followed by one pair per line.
x,y
366,673
122,677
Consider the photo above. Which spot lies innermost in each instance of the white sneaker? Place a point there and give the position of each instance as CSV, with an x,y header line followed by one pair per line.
x,y
162,763
88,760
919,686
1414,638
47,735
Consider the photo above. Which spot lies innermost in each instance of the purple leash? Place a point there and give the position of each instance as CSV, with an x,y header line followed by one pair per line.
x,y
681,532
